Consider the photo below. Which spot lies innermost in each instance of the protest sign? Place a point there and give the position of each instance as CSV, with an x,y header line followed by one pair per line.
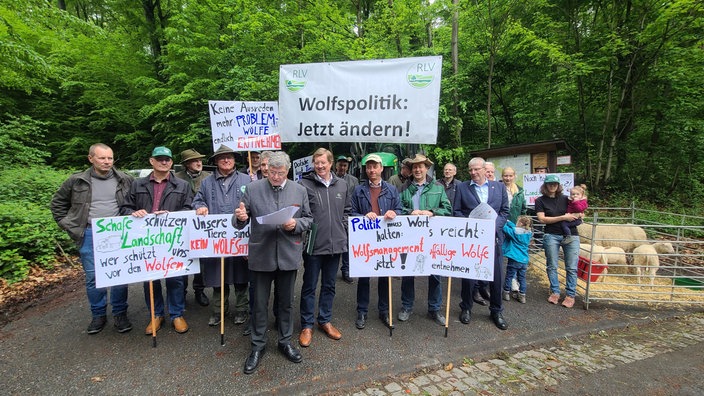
x,y
131,249
214,236
244,126
422,245
387,100
301,166
533,181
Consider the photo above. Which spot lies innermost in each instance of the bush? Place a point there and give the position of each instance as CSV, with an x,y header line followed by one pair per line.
x,y
28,233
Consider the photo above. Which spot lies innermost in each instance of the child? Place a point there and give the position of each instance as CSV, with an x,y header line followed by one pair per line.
x,y
577,204
515,248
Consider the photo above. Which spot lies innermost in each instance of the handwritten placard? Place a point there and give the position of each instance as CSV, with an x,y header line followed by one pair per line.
x,y
214,236
422,245
533,181
130,249
301,166
245,126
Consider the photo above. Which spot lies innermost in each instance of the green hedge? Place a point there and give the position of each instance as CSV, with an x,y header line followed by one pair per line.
x,y
28,233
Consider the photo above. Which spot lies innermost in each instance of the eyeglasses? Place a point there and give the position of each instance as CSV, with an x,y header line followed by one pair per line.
x,y
278,173
163,159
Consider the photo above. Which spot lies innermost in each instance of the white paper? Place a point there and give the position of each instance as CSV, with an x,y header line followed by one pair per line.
x,y
279,217
483,211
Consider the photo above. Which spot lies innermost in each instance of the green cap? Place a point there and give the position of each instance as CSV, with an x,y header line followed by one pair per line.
x,y
161,151
552,179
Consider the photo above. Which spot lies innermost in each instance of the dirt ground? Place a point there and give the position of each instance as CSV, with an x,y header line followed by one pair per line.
x,y
41,285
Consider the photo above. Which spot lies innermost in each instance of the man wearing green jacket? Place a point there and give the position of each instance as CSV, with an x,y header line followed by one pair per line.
x,y
424,196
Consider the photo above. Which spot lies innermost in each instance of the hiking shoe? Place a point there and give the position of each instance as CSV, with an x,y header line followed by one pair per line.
x,y
568,302
567,240
522,298
506,295
214,320
554,298
122,324
404,314
96,325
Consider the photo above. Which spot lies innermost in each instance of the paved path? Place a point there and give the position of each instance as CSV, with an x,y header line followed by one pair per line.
x,y
46,351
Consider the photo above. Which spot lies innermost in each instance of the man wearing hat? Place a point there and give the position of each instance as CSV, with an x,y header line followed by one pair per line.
x,y
341,168
402,179
158,193
221,193
194,174
424,196
374,198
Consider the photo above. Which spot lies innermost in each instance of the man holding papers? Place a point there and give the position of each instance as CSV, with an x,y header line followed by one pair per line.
x,y
275,252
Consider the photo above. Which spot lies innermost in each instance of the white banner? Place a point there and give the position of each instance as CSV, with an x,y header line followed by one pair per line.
x,y
214,236
244,126
389,100
533,181
420,245
130,249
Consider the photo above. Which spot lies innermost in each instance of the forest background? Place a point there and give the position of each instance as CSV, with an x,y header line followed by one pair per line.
x,y
620,81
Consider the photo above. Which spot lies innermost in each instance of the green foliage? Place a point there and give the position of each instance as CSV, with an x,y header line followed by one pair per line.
x,y
21,142
28,233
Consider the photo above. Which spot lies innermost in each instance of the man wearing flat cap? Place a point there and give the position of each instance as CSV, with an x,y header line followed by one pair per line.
x,y
161,192
424,196
194,174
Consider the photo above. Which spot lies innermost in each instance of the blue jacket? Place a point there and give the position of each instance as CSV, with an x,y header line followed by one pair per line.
x,y
212,193
388,199
516,242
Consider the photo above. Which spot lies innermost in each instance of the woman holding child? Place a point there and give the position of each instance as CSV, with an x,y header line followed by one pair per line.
x,y
551,209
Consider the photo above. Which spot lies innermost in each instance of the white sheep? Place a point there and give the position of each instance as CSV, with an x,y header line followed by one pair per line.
x,y
616,255
625,236
645,258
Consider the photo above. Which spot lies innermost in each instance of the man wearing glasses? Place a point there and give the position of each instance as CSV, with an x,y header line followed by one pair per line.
x,y
158,193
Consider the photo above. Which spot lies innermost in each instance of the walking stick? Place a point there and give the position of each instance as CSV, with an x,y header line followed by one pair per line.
x,y
447,308
222,301
391,316
151,303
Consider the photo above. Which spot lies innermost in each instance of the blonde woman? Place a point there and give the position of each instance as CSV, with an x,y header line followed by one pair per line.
x,y
516,198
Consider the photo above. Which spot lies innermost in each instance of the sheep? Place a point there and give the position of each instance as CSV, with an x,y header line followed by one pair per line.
x,y
625,236
645,258
616,255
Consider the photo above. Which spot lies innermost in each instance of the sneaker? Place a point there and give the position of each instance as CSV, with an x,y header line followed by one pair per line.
x,y
437,317
404,314
554,298
522,298
96,325
122,324
567,240
506,295
568,302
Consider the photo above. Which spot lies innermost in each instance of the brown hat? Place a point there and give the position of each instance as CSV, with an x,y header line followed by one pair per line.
x,y
418,159
190,154
222,150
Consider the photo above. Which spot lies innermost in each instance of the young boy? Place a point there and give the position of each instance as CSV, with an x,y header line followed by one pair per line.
x,y
515,248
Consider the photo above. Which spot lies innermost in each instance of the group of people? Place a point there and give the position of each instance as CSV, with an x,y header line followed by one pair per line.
x,y
315,236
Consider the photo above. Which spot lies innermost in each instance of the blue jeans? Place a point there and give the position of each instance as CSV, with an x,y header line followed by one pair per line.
x,y
408,293
518,270
552,244
98,298
174,295
324,266
363,295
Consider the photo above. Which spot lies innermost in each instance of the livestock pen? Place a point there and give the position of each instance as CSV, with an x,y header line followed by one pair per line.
x,y
607,270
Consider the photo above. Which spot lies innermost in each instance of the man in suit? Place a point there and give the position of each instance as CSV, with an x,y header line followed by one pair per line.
x,y
275,253
468,196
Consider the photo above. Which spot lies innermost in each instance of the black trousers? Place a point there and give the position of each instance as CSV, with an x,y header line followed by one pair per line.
x,y
261,283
